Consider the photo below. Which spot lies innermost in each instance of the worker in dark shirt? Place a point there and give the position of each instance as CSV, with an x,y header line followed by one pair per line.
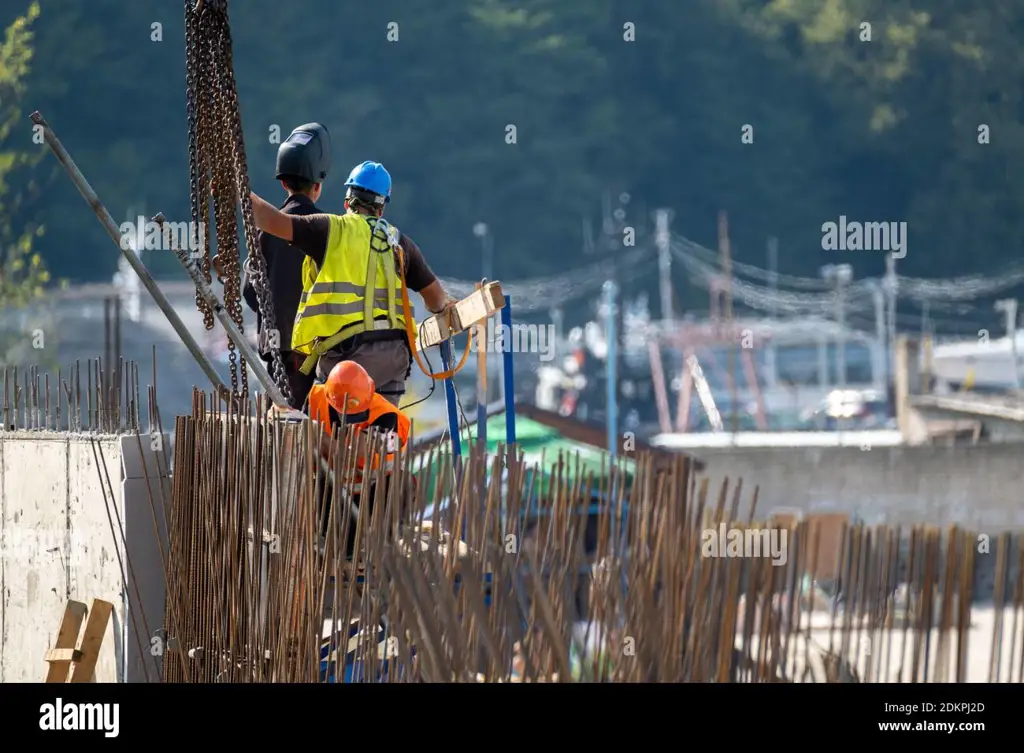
x,y
303,161
351,306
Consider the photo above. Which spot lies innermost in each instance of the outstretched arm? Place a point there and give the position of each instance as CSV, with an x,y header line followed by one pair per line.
x,y
270,219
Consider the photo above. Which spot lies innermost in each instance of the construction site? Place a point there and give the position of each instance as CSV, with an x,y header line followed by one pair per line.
x,y
232,542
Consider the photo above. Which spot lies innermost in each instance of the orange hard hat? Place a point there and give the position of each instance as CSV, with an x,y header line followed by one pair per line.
x,y
349,379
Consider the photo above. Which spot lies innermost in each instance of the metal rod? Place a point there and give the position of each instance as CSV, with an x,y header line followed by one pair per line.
x,y
508,378
450,400
115,235
482,343
610,291
249,354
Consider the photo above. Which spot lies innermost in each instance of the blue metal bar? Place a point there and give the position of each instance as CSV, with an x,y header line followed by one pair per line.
x,y
449,396
508,379
612,394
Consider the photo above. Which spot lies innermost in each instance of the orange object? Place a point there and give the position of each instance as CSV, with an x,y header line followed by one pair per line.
x,y
379,408
349,388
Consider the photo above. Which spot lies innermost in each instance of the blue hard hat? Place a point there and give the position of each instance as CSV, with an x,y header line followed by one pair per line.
x,y
372,177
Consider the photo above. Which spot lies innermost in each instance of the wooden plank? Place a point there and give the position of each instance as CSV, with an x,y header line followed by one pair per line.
x,y
829,526
63,654
92,640
784,518
471,310
67,638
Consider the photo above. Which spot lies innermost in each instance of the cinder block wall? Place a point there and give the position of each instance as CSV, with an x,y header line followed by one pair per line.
x,y
68,505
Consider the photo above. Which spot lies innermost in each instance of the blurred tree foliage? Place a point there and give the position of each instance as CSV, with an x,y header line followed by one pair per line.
x,y
23,274
607,95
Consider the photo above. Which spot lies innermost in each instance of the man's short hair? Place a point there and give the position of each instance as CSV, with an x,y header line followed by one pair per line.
x,y
297,185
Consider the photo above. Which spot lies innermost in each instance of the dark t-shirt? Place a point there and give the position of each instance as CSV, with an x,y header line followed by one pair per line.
x,y
310,234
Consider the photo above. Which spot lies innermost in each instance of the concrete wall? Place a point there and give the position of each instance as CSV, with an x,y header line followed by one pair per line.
x,y
66,505
980,487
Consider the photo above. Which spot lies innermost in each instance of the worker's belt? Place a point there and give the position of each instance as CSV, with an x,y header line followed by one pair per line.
x,y
320,347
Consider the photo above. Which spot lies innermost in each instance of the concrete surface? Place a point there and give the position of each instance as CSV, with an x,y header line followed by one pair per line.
x,y
888,655
979,486
58,542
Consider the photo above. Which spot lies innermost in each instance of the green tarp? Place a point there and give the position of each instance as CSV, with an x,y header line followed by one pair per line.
x,y
537,441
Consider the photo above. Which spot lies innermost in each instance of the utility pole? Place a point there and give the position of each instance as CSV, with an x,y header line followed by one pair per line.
x,y
839,275
879,366
724,250
773,284
662,239
1009,307
610,292
890,285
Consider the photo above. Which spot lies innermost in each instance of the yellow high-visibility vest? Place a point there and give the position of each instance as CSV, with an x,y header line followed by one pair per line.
x,y
356,290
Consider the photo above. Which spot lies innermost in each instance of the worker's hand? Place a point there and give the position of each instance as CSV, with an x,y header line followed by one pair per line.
x,y
449,305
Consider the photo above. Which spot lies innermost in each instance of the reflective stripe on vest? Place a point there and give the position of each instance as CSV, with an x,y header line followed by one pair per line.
x,y
380,298
356,290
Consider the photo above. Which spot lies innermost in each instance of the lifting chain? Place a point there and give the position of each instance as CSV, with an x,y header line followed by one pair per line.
x,y
217,151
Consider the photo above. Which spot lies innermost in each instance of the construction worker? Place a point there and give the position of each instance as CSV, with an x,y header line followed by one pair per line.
x,y
303,161
349,399
352,303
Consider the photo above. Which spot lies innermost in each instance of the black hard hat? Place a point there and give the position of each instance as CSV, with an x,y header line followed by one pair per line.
x,y
306,153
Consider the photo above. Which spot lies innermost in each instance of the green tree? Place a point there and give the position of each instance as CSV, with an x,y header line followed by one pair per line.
x,y
23,274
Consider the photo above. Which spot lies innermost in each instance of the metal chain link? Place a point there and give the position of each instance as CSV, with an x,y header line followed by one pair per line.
x,y
257,263
195,83
217,150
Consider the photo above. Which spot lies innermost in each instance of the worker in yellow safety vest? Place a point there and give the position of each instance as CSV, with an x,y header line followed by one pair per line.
x,y
356,276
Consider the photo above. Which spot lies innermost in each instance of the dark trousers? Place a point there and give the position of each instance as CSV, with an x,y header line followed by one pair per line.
x,y
364,509
300,384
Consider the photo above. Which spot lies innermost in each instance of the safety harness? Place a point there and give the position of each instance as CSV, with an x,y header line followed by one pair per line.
x,y
321,346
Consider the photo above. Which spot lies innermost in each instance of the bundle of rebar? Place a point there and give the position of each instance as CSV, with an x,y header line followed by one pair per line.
x,y
487,569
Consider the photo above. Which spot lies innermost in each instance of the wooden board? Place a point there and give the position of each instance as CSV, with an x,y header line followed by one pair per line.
x,y
829,527
471,310
67,641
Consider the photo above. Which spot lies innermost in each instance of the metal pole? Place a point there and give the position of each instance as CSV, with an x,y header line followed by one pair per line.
x,y
773,284
891,287
482,396
1013,342
481,230
610,291
508,378
249,354
723,245
450,400
879,366
1009,307
115,235
117,347
841,321
663,240
112,229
